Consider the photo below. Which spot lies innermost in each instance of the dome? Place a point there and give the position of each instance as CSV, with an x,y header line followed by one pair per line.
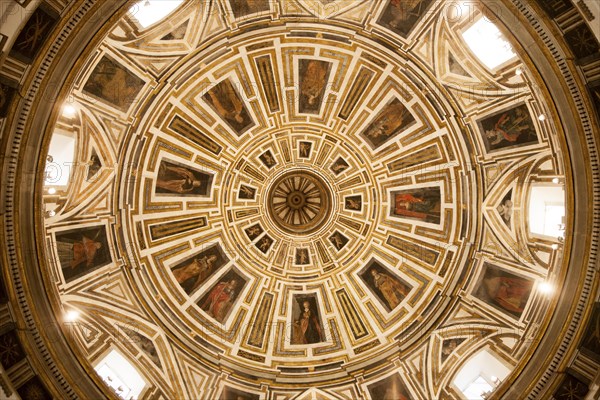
x,y
302,200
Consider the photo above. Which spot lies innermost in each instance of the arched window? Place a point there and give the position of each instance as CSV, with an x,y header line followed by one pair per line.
x,y
149,12
120,375
480,375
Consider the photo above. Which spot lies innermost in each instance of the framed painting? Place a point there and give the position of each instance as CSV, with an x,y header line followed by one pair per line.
x,y
178,179
230,393
313,78
242,8
389,289
114,84
307,326
401,16
82,250
225,100
221,298
422,204
507,129
391,387
503,290
393,119
33,35
193,271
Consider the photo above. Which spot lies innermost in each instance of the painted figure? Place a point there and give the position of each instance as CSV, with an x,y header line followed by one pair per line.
x,y
307,329
510,293
228,104
219,301
305,149
353,203
339,166
338,240
510,128
113,83
503,290
181,180
84,251
390,121
314,75
81,251
302,257
246,192
505,210
393,291
191,275
422,204
402,15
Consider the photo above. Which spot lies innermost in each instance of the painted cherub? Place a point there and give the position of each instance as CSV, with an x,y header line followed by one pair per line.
x,y
353,204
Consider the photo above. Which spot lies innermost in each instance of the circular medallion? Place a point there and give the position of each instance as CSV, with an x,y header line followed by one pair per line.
x,y
299,202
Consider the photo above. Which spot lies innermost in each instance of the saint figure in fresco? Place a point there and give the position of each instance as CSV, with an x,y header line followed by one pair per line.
x,y
314,81
422,207
390,121
509,127
307,329
393,291
505,211
191,275
509,292
84,251
401,11
219,301
176,179
228,104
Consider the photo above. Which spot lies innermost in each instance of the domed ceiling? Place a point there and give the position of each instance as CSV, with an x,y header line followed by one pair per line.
x,y
308,199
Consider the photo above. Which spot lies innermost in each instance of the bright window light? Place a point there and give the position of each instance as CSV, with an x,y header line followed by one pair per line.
x,y
476,388
120,375
488,43
148,12
547,210
62,151
480,374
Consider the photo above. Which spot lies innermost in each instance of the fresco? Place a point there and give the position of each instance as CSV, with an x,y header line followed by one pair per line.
x,y
401,16
82,251
177,179
254,231
313,75
247,192
423,204
228,104
389,289
242,8
393,119
33,35
338,240
304,149
267,159
505,208
307,327
112,83
503,290
389,388
339,166
302,257
193,271
220,299
353,203
230,393
507,129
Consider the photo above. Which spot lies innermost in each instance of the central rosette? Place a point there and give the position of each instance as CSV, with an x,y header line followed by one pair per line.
x,y
299,202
